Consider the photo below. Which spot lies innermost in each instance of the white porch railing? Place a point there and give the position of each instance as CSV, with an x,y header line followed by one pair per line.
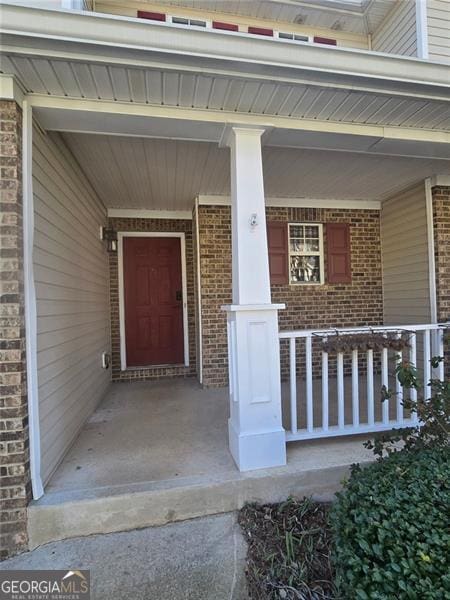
x,y
313,404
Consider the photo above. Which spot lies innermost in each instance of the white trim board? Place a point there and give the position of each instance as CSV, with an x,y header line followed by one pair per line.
x,y
136,213
298,202
120,236
430,242
30,304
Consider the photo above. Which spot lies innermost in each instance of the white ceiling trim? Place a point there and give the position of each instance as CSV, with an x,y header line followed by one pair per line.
x,y
210,200
131,213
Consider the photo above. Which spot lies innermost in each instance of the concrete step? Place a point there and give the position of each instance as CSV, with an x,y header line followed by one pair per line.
x,y
71,513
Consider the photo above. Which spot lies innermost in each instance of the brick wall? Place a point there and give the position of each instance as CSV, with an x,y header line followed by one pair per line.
x,y
441,221
15,487
441,218
151,225
315,306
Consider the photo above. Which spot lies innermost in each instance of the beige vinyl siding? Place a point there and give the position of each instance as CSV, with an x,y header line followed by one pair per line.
x,y
404,246
438,17
71,279
397,34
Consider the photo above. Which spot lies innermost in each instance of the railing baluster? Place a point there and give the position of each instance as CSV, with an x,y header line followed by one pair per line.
x,y
309,385
398,387
413,360
293,383
340,390
370,403
426,363
355,388
440,344
385,382
325,398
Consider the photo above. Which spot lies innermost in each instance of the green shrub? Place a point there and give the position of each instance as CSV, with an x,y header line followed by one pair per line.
x,y
391,528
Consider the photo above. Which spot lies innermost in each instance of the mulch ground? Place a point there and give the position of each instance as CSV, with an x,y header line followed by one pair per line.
x,y
289,547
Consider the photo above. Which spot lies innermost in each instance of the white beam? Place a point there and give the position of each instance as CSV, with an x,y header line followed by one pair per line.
x,y
210,200
374,133
10,89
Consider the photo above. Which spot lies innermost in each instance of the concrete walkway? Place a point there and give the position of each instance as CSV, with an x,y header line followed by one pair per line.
x,y
200,559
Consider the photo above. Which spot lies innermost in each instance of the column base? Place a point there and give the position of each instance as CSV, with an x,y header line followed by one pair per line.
x,y
257,450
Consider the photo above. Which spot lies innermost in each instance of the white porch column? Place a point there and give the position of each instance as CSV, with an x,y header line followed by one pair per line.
x,y
256,436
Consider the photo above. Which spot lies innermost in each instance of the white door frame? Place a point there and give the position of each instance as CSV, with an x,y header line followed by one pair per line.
x,y
150,234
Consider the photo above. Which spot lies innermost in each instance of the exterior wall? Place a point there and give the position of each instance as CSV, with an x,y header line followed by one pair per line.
x,y
310,306
151,225
397,34
438,19
441,217
15,487
71,279
346,39
404,244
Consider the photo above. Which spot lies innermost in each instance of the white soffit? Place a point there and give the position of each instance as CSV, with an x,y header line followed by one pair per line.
x,y
155,174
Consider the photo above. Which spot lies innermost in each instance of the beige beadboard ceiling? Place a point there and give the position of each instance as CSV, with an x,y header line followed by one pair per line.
x,y
163,174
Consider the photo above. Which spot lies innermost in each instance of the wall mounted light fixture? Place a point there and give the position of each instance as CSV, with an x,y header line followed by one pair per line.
x,y
110,237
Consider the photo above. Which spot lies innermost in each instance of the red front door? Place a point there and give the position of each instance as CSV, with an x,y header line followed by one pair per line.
x,y
153,301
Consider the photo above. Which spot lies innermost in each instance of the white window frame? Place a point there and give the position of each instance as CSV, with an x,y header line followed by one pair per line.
x,y
320,254
150,234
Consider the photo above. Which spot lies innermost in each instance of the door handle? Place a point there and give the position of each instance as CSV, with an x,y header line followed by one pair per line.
x,y
178,296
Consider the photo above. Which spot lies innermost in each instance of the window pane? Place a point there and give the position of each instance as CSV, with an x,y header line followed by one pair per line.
x,y
305,269
312,231
297,246
296,231
312,245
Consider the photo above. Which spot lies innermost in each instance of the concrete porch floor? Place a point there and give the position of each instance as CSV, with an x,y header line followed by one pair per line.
x,y
156,452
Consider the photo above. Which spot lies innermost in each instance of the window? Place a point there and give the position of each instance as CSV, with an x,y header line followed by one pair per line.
x,y
305,253
293,36
185,21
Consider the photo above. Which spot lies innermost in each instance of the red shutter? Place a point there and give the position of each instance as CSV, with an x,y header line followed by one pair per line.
x,y
277,240
225,26
322,40
153,16
260,31
338,253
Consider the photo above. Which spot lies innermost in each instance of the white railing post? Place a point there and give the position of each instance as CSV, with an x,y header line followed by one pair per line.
x,y
398,387
440,345
340,390
355,388
325,396
309,385
370,391
385,383
293,384
426,363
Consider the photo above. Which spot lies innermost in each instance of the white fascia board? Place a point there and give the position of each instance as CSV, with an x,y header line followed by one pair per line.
x,y
209,200
135,213
97,34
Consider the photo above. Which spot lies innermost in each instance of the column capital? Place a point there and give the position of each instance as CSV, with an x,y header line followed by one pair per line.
x,y
230,133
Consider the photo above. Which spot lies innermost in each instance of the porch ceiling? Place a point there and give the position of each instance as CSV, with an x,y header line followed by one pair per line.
x,y
162,174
